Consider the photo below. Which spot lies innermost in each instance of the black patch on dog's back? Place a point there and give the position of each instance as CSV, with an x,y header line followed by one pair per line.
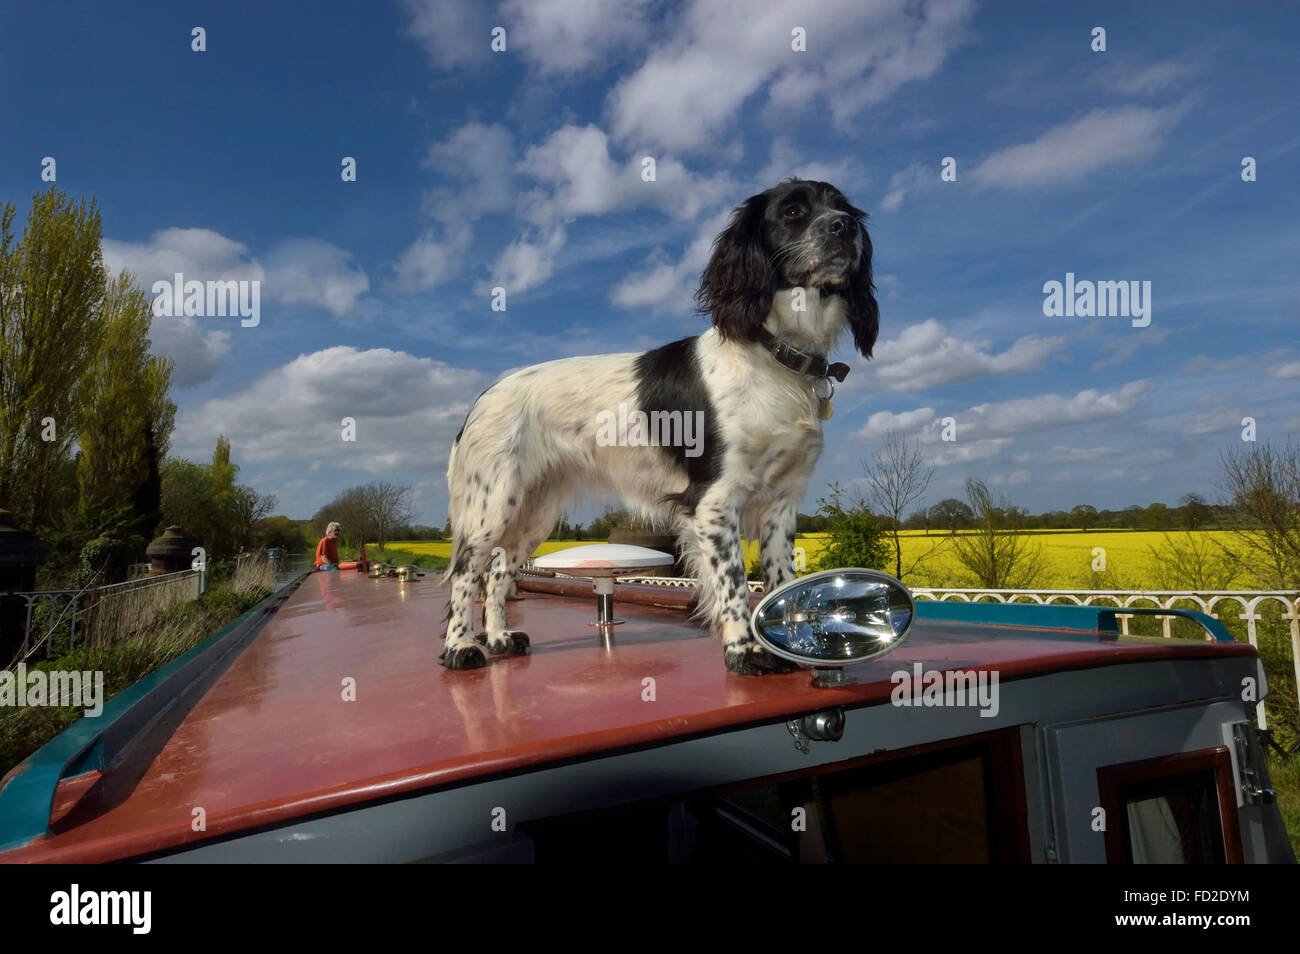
x,y
670,379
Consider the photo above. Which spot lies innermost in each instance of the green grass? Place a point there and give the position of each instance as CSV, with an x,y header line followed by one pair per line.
x,y
1286,781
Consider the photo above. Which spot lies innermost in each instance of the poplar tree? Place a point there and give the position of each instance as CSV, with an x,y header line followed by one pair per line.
x,y
52,286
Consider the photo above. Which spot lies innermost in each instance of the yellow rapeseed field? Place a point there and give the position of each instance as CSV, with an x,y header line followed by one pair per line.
x,y
1068,556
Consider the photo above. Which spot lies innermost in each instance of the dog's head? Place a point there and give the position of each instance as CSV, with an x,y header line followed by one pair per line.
x,y
800,234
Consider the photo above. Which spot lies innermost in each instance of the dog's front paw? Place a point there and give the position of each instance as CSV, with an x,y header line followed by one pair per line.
x,y
751,659
510,643
463,657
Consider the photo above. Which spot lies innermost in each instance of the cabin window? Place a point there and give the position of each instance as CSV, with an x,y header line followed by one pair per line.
x,y
959,803
1180,809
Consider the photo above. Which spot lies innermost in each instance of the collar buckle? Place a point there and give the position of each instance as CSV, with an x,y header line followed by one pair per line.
x,y
801,362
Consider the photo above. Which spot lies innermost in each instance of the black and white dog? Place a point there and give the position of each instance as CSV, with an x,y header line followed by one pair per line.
x,y
789,274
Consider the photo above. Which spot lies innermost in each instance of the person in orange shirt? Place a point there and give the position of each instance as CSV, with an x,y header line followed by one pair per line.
x,y
327,551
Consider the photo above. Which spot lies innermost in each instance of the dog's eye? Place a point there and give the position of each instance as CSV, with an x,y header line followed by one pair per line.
x,y
794,211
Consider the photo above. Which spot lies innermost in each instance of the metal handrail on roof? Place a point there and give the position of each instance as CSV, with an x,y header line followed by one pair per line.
x,y
1090,618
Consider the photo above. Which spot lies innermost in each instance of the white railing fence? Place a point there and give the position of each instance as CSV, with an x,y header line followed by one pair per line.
x,y
1242,605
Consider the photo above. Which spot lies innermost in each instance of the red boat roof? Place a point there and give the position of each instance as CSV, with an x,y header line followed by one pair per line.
x,y
274,737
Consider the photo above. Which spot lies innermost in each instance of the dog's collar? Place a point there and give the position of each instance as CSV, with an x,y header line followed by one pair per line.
x,y
801,362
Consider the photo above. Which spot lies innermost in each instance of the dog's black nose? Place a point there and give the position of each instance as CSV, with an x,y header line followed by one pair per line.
x,y
841,226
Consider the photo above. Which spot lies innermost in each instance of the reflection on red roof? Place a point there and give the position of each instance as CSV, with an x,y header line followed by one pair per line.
x,y
274,738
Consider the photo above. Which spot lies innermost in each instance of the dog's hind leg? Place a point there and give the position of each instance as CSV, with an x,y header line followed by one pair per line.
x,y
459,651
490,504
499,639
532,526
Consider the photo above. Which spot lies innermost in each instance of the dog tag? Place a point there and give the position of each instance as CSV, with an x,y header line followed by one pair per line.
x,y
823,400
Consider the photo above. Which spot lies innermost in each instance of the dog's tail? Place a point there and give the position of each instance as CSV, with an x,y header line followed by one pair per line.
x,y
453,489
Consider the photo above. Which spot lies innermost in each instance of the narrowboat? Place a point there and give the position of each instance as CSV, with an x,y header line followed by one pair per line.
x,y
320,727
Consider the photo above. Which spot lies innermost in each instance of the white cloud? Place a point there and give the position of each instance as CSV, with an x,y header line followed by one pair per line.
x,y
452,32
526,263
1073,150
297,271
691,86
668,286
196,353
292,413
786,160
430,261
199,253
906,181
968,452
1015,477
985,424
1053,410
1202,364
1213,422
1290,369
897,43
926,355
482,158
312,272
581,178
881,422
565,37
1119,350
1155,78
661,287
1061,454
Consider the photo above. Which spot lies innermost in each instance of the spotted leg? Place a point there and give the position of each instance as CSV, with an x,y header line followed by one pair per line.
x,y
500,640
725,597
459,651
776,543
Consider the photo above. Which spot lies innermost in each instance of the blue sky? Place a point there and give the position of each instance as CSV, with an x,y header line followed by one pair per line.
x,y
521,169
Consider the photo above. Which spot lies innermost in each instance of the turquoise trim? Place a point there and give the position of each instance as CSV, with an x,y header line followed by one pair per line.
x,y
1092,619
27,800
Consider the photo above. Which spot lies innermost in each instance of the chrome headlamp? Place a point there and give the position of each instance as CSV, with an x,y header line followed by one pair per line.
x,y
834,618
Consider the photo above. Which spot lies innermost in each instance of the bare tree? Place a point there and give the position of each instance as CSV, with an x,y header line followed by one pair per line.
x,y
897,477
1263,487
386,507
350,509
1194,561
997,553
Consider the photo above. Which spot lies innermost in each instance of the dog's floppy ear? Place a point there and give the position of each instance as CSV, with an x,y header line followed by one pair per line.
x,y
864,313
736,287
